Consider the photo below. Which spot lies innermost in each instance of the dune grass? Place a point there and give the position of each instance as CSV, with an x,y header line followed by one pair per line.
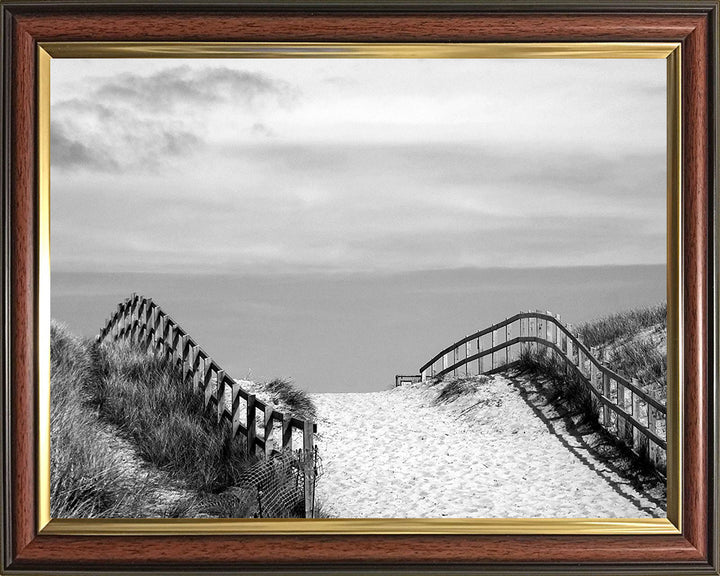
x,y
143,399
458,386
629,354
642,359
622,324
297,401
84,482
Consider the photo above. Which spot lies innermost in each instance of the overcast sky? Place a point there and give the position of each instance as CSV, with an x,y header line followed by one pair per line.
x,y
279,166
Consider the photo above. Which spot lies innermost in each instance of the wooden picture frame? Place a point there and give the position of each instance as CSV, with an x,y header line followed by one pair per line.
x,y
30,545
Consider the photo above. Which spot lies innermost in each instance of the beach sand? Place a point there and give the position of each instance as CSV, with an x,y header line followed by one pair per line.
x,y
496,452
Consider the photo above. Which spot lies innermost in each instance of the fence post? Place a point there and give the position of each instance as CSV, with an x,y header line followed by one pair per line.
x,y
207,378
170,329
122,321
185,356
467,355
287,432
113,330
480,360
250,419
652,447
548,328
133,317
455,361
540,330
309,456
268,429
175,342
160,334
635,412
196,368
507,351
235,408
606,393
152,329
558,333
220,391
492,345
141,329
621,423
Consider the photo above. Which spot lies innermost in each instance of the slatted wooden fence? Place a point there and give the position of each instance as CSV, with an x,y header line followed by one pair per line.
x,y
139,320
627,411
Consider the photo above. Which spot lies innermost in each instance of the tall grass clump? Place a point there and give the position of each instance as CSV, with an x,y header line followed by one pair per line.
x,y
642,359
146,398
622,324
130,438
457,387
84,478
298,402
631,353
563,386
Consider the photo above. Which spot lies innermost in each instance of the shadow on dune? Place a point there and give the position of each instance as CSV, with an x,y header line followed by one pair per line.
x,y
589,441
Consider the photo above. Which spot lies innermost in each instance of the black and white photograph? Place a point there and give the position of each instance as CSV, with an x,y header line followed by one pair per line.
x,y
358,288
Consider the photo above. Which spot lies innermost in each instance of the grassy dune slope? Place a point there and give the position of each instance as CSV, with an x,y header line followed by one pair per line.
x,y
130,439
84,478
636,341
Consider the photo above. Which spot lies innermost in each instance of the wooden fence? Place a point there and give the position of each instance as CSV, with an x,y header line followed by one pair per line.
x,y
624,409
139,320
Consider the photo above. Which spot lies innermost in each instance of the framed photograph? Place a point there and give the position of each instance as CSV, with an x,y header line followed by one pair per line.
x,y
359,286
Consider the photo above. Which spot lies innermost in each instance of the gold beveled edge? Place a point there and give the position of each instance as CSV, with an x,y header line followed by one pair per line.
x,y
357,50
674,380
286,527
669,525
43,293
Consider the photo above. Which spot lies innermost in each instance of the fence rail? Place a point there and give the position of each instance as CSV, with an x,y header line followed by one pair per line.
x,y
141,321
625,409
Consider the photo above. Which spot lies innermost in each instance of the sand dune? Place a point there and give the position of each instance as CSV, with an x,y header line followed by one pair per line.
x,y
498,452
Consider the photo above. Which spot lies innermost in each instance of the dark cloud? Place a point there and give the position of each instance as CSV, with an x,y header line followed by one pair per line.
x,y
68,152
184,86
113,147
144,121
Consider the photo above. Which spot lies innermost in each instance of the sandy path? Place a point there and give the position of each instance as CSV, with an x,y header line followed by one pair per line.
x,y
158,490
489,454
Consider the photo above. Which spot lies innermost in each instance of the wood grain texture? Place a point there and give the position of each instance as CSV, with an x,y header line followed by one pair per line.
x,y
22,287
696,165
687,552
359,28
48,551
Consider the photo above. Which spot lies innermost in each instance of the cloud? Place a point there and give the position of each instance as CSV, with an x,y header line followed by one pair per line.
x,y
144,122
183,87
68,152
202,168
343,208
262,130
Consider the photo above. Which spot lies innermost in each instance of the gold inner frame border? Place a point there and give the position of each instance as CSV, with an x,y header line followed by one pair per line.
x,y
671,52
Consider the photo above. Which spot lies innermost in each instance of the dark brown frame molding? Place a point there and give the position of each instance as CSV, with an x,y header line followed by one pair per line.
x,y
692,23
